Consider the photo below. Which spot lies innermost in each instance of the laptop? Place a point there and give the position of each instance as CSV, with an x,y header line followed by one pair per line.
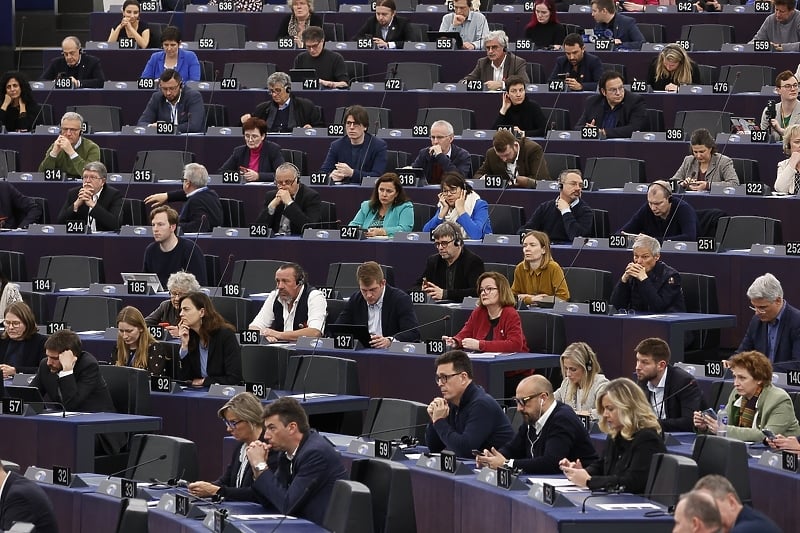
x,y
434,36
152,279
31,396
360,332
299,75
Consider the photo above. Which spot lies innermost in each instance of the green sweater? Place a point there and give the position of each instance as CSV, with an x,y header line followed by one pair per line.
x,y
86,152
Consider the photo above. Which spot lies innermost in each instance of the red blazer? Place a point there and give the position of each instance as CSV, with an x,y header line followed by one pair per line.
x,y
508,335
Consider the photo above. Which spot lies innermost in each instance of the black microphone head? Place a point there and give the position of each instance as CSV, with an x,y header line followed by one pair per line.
x,y
162,457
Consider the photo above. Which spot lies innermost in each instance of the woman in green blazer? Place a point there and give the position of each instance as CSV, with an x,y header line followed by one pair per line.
x,y
388,211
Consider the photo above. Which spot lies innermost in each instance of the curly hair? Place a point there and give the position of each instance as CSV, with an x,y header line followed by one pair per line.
x,y
26,93
634,411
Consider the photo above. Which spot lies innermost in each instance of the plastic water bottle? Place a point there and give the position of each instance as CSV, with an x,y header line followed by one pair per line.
x,y
722,422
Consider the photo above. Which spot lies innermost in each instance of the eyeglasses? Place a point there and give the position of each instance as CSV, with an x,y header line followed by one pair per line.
x,y
522,401
442,244
351,124
790,86
285,183
275,90
442,378
174,294
615,90
231,423
312,45
451,192
487,290
760,309
12,323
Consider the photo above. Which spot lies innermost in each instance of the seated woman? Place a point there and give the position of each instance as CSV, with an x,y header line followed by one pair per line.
x,y
131,26
258,158
388,211
519,111
136,347
460,204
251,6
21,345
786,111
788,176
705,166
167,313
19,111
494,326
301,17
544,30
174,57
754,403
671,69
243,420
583,379
633,437
537,278
209,350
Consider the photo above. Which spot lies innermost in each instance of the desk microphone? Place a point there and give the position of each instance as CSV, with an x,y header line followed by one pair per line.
x,y
443,318
725,106
134,467
392,430
330,224
660,410
224,271
194,243
617,489
572,263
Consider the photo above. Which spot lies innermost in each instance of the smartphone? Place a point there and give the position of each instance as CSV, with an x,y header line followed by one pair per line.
x,y
710,413
562,75
476,452
164,324
768,433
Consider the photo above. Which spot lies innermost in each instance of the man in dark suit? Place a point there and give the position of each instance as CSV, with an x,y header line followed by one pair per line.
x,y
95,203
616,112
81,69
672,392
520,160
202,210
385,29
358,153
16,209
579,70
22,500
498,64
387,311
774,330
307,467
291,205
175,103
550,431
609,24
568,216
286,111
442,155
452,273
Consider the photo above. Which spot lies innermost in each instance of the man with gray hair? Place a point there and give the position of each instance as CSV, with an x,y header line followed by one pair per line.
x,y
648,284
442,155
697,512
774,329
82,70
292,206
70,152
95,203
498,64
735,517
452,273
286,111
202,211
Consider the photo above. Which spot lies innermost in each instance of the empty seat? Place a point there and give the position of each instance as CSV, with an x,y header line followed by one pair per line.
x,y
71,270
392,419
653,33
9,162
216,115
396,159
134,213
212,269
655,120
714,121
707,37
747,170
334,31
506,219
601,226
87,313
556,163
392,494
250,75
461,119
507,270
327,212
430,312
233,213
670,476
708,74
207,71
557,118
233,309
180,461
44,204
342,277
725,457
356,70
746,78
544,331
700,296
99,117
132,516
422,214
163,164
586,284
108,156
224,35
379,117
265,364
609,172
256,275
735,233
349,508
535,72
320,373
414,75
13,265
129,388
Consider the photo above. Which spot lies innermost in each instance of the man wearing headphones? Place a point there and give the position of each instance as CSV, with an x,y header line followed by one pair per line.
x,y
286,111
622,29
521,161
568,216
453,272
615,111
663,217
498,64
81,69
551,431
291,205
294,309
70,151
175,103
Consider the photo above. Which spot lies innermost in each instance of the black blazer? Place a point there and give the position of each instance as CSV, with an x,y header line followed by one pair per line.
x,y
202,203
227,481
105,213
787,352
626,463
469,267
19,210
397,314
633,115
25,501
269,159
32,353
304,210
84,390
682,398
224,360
302,111
88,71
399,32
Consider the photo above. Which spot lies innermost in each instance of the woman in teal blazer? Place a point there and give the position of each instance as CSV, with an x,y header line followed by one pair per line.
x,y
388,211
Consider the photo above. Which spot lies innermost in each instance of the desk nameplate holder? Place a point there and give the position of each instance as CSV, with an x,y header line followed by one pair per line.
x,y
504,240
383,449
407,347
169,503
501,478
119,488
314,343
548,495
218,390
449,465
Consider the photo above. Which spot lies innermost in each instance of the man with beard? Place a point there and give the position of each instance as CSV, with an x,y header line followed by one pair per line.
x,y
518,111
521,161
579,70
551,429
568,216
176,104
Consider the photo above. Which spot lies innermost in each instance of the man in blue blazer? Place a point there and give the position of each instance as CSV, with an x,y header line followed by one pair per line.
x,y
358,153
176,104
617,113
22,500
442,155
387,311
775,328
202,210
610,24
579,70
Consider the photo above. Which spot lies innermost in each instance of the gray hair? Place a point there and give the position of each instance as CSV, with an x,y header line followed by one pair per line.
x,y
447,229
289,167
448,127
196,174
563,175
184,282
72,115
766,287
499,36
701,504
74,39
96,166
310,3
279,78
649,243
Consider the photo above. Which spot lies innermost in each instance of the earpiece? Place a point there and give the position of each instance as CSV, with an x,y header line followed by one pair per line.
x,y
541,404
664,185
589,364
560,186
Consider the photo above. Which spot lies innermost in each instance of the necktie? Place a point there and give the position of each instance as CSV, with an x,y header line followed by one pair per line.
x,y
796,189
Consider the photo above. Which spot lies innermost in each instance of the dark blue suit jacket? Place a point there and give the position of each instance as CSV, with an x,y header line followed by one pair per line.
x,y
371,158
459,161
588,72
269,159
202,203
625,29
20,210
25,501
681,400
787,351
397,314
191,113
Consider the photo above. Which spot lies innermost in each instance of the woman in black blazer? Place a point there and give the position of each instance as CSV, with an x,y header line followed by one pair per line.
x,y
258,158
21,345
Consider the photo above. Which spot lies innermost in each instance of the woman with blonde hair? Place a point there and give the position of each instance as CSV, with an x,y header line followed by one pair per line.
x,y
788,175
583,379
136,347
295,23
672,68
537,278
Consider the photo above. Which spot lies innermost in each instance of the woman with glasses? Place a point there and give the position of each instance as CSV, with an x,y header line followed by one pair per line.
x,y
172,56
286,111
788,176
633,437
166,314
537,278
776,117
458,203
494,326
136,347
705,165
258,158
543,29
21,344
243,420
388,211
131,26
583,379
671,69
301,17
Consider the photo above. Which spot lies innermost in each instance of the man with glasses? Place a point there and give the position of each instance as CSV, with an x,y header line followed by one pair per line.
x,y
784,113
81,69
468,21
358,153
498,64
292,205
329,66
568,216
464,417
616,112
202,210
550,431
774,329
70,152
520,161
170,253
95,203
452,273
176,104
286,111
442,155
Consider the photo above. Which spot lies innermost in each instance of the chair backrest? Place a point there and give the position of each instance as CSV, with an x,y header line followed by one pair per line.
x,y
235,310
224,35
714,121
326,5
556,163
350,508
132,516
545,332
514,417
327,211
335,307
700,296
719,392
44,203
180,461
708,74
419,30
37,301
607,172
100,117
708,37
422,214
601,226
134,213
356,70
616,67
429,312
250,75
9,162
87,313
740,232
206,71
256,275
505,269
653,33
265,364
320,373
461,119
392,494
216,115
71,270
535,72
296,157
726,457
212,269
385,415
655,120
414,75
670,476
46,115
396,159
506,219
587,284
129,388
13,265
108,156
233,213
342,277
558,118
164,164
747,170
746,78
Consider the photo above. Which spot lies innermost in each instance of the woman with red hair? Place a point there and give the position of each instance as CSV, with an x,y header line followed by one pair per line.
x,y
544,30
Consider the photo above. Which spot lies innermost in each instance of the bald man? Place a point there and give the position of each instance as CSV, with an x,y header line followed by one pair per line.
x,y
81,69
697,512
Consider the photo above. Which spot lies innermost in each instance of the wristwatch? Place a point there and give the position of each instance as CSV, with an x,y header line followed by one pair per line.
x,y
509,463
260,467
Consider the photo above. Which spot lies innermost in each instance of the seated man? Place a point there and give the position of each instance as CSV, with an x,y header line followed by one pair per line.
x,y
468,21
464,417
566,218
16,209
736,518
295,469
579,70
294,309
286,111
609,24
387,311
96,203
615,111
292,205
358,153
662,217
498,64
386,29
202,211
550,431
329,65
170,253
648,285
81,69
781,28
521,161
697,512
672,392
23,500
524,115
453,272
175,103
442,155
774,329
70,152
